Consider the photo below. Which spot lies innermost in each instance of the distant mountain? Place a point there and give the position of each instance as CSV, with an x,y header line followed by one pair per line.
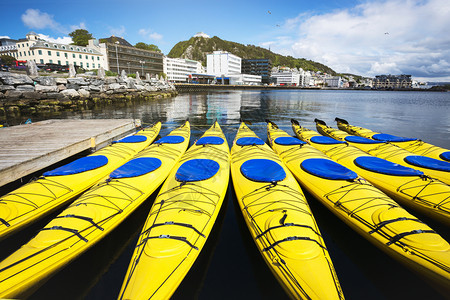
x,y
196,48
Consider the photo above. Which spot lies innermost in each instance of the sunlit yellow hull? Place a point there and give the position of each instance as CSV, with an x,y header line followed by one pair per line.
x,y
178,225
388,152
89,219
38,198
377,217
283,227
420,193
418,147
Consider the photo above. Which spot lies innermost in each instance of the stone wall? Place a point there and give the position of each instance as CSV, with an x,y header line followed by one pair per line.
x,y
19,92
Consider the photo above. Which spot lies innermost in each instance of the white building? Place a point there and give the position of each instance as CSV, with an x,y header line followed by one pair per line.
x,y
334,81
286,78
245,79
179,69
221,63
42,52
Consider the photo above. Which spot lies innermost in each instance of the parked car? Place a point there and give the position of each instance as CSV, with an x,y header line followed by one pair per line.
x,y
54,67
3,67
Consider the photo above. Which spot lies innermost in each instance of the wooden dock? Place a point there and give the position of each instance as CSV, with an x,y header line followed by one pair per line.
x,y
25,149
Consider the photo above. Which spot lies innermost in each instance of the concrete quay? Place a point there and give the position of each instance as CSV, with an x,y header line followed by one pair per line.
x,y
25,149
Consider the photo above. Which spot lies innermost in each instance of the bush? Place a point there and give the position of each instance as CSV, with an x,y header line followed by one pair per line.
x,y
110,73
131,75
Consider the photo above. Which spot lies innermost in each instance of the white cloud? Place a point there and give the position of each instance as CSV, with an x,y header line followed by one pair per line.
x,y
59,40
149,34
394,36
34,18
120,31
4,37
82,25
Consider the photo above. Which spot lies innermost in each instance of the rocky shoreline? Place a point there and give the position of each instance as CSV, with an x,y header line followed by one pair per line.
x,y
20,93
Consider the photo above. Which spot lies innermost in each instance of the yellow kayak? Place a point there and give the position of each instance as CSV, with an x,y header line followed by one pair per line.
x,y
280,220
55,188
416,146
180,220
434,168
91,217
371,213
406,185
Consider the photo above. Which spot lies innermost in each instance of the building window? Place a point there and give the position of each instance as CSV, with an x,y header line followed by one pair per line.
x,y
57,53
27,44
67,63
65,55
51,61
42,61
98,57
99,66
92,57
84,50
87,65
29,53
71,48
46,45
63,47
56,46
59,62
86,57
81,64
32,51
20,54
73,55
49,53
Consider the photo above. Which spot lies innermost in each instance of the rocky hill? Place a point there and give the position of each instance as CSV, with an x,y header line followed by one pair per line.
x,y
196,48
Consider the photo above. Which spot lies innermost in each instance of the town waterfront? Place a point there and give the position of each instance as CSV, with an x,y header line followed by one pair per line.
x,y
230,266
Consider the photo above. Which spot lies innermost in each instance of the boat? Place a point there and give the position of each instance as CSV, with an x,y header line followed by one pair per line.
x,y
180,220
280,220
413,145
57,187
407,186
91,217
434,168
369,211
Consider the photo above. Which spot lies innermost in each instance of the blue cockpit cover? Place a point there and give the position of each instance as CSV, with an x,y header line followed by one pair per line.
x,y
136,167
325,140
445,156
327,169
210,140
288,141
132,139
428,163
170,139
379,165
384,137
361,140
79,166
249,141
196,170
263,170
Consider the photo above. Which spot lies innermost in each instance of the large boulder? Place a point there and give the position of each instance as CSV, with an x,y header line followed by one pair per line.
x,y
25,88
45,88
77,80
84,93
71,93
46,80
14,79
61,80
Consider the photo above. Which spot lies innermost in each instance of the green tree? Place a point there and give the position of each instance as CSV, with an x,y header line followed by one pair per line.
x,y
80,37
145,46
7,59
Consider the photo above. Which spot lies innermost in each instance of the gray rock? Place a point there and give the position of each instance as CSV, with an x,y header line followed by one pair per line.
x,y
140,87
151,88
95,88
109,80
32,68
131,84
13,94
72,72
123,75
46,80
73,86
6,88
60,80
115,86
31,95
25,88
45,88
53,95
71,93
14,79
83,93
97,82
78,80
147,77
61,87
101,73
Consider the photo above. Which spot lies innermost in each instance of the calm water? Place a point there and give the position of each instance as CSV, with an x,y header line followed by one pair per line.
x,y
230,266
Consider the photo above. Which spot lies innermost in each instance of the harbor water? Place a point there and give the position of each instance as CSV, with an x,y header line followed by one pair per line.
x,y
230,266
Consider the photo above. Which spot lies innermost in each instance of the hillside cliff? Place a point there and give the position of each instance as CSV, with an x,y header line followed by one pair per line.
x,y
196,48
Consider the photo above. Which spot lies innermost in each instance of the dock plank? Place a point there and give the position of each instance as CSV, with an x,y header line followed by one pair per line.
x,y
25,149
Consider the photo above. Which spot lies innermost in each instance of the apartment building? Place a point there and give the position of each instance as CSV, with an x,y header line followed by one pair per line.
x,y
221,63
179,69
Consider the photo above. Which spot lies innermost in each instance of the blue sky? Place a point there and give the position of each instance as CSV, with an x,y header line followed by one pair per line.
x,y
361,37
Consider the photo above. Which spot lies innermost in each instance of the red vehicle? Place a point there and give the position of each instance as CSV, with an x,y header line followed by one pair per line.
x,y
20,64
